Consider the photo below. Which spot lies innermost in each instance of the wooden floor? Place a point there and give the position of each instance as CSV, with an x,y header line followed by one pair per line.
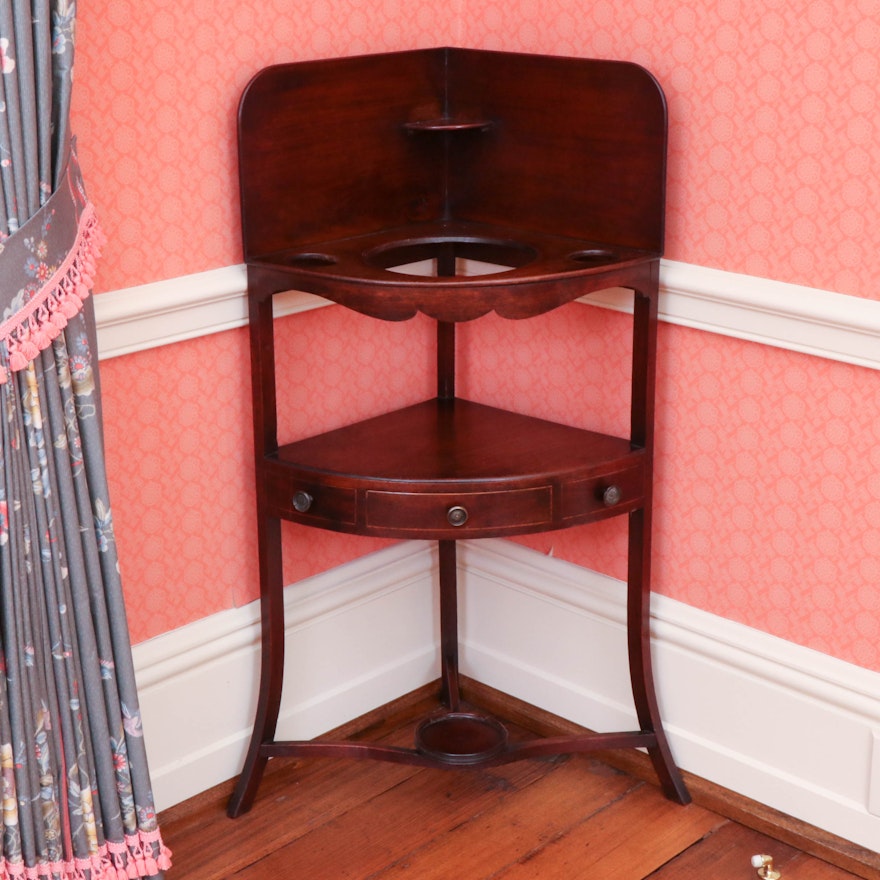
x,y
567,818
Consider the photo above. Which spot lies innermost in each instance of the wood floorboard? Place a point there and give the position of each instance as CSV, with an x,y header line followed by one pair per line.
x,y
826,847
298,795
366,839
631,837
721,856
215,848
513,827
805,867
568,818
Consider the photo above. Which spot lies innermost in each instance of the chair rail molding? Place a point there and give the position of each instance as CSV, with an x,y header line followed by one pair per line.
x,y
164,312
789,316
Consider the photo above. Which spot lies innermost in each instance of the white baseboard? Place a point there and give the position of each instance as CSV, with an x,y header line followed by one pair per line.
x,y
790,316
357,637
781,724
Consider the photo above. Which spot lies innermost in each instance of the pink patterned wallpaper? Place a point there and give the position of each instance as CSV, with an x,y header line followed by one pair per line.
x,y
773,116
767,468
179,450
156,98
768,487
773,108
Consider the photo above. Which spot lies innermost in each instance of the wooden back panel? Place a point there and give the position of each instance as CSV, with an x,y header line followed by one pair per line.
x,y
575,147
323,153
578,148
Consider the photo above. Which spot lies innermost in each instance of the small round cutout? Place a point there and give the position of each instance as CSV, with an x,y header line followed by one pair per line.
x,y
311,261
594,256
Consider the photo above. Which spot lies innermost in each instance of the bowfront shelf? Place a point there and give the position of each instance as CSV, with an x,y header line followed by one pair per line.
x,y
453,469
453,183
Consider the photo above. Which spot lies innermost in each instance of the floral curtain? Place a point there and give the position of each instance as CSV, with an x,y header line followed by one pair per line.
x,y
74,784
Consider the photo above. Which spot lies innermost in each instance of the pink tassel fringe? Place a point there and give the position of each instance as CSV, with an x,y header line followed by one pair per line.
x,y
131,860
32,329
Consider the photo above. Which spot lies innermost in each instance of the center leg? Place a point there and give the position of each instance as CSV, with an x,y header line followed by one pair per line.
x,y
449,692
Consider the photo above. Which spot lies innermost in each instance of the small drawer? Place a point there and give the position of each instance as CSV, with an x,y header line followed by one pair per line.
x,y
464,512
608,493
310,502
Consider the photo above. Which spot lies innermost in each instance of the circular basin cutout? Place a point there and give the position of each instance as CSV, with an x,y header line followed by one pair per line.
x,y
451,256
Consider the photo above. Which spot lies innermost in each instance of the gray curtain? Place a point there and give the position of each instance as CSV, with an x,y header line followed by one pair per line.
x,y
76,798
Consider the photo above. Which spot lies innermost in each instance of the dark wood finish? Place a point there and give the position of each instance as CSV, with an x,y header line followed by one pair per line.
x,y
445,360
512,473
566,818
603,124
449,690
547,271
550,170
575,148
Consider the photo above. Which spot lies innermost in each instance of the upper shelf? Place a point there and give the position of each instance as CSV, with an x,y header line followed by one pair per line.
x,y
452,271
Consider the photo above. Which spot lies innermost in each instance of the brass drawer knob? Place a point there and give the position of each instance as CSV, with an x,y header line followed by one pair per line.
x,y
457,516
612,496
302,501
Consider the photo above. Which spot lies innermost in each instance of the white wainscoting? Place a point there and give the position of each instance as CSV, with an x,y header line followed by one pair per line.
x,y
779,723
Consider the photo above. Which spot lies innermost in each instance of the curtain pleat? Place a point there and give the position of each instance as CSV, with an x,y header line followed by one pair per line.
x,y
75,796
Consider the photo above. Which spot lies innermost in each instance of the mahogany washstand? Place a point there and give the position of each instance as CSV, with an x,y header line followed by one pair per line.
x,y
551,171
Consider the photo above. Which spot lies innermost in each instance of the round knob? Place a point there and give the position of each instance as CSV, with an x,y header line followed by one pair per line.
x,y
457,516
302,501
612,496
